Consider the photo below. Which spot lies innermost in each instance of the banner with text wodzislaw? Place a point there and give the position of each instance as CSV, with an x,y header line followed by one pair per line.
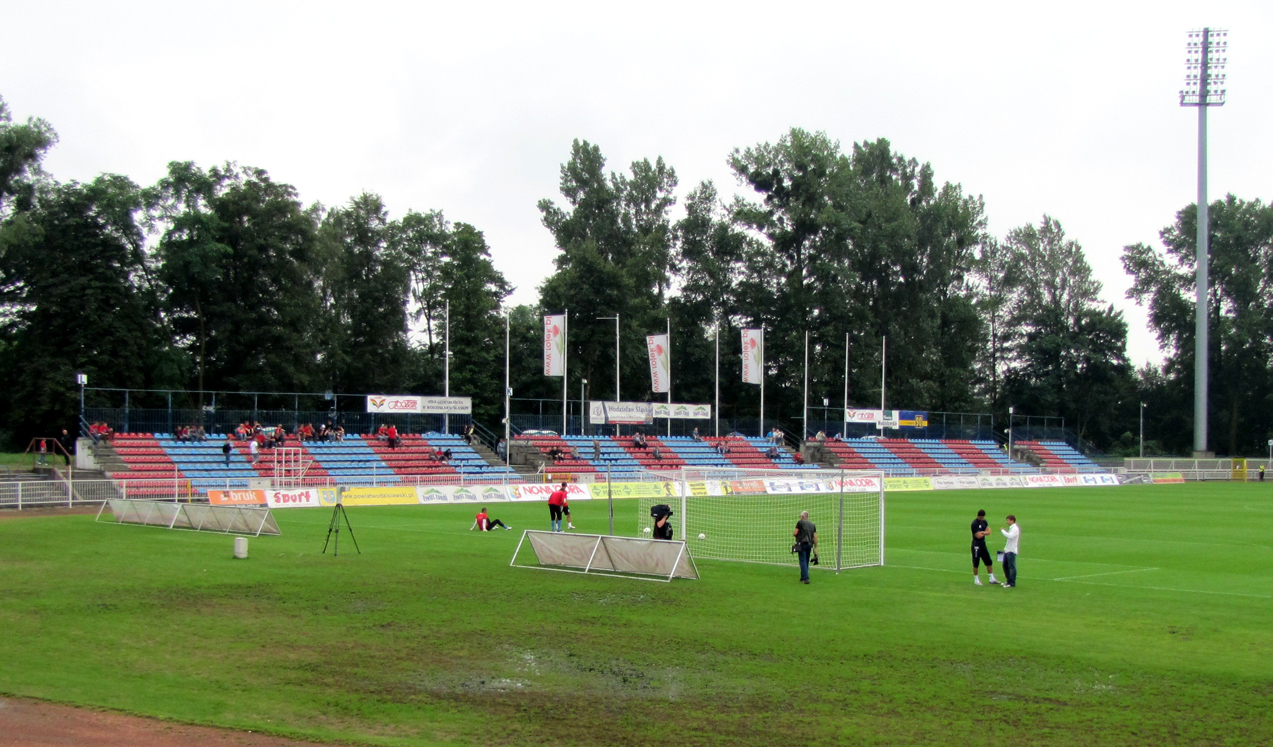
x,y
555,345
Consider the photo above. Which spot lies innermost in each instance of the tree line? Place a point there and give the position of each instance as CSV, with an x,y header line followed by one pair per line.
x,y
222,279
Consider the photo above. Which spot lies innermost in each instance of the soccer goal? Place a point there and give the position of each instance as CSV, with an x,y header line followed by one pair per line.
x,y
749,515
603,555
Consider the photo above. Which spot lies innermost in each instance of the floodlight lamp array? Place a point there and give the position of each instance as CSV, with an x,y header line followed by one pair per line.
x,y
1205,78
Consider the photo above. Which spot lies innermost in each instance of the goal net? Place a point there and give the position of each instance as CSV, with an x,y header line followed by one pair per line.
x,y
750,515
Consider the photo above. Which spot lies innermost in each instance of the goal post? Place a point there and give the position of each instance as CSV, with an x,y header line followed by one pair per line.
x,y
750,515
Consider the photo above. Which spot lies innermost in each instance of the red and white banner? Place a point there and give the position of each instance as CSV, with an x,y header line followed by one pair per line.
x,y
753,355
541,491
872,417
1044,481
659,349
306,498
393,403
555,345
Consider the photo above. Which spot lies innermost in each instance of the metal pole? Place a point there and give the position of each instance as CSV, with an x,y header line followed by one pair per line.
x,y
845,429
1142,430
839,528
762,380
1200,348
804,414
669,376
446,376
883,367
507,390
565,363
617,398
717,411
582,383
610,497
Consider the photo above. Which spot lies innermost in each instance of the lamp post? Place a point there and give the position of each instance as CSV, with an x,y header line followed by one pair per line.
x,y
82,380
1142,430
582,383
1206,57
616,361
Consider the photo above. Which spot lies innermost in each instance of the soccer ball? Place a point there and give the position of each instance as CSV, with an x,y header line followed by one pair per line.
x,y
702,536
649,530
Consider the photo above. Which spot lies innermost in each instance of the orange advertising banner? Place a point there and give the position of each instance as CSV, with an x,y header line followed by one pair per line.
x,y
236,497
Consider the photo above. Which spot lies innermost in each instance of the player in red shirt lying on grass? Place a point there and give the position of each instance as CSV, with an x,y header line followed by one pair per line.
x,y
486,523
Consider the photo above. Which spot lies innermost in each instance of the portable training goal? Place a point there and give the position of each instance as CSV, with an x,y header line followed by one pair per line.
x,y
605,555
196,517
749,515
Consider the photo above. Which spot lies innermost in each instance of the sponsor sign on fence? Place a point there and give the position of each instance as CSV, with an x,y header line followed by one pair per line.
x,y
1167,477
411,404
379,496
236,497
541,491
1000,481
678,411
610,413
1043,481
906,484
306,498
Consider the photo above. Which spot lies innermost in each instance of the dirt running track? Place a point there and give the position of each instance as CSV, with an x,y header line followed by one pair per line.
x,y
30,723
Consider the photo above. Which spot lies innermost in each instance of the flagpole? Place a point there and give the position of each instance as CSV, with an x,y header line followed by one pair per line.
x,y
565,361
446,385
507,391
669,375
883,365
762,380
717,411
804,417
845,431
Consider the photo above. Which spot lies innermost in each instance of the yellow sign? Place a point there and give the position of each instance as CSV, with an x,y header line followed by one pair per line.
x,y
380,497
634,490
904,484
1239,470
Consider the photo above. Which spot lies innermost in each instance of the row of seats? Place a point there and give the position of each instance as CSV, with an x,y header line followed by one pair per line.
x,y
901,456
356,460
621,457
1058,456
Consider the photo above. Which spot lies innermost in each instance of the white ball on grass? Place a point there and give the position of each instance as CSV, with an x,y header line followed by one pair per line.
x,y
702,536
648,530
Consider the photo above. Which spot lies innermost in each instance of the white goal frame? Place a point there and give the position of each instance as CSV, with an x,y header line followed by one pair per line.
x,y
848,503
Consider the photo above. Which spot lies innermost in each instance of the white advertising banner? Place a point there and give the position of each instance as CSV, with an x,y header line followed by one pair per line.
x,y
835,485
413,404
555,345
1043,481
753,355
541,491
889,419
304,498
682,411
870,417
659,349
629,413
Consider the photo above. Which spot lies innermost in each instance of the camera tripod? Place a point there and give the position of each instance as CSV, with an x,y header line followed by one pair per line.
x,y
338,513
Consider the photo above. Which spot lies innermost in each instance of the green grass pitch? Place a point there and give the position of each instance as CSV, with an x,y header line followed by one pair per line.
x,y
1143,616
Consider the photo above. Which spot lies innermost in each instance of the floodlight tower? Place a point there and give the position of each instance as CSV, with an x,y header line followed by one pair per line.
x,y
1206,58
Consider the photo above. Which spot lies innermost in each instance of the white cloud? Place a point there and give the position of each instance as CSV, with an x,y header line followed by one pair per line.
x,y
1064,108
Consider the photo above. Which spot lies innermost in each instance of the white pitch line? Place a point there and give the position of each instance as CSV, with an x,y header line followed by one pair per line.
x,y
1098,583
1107,573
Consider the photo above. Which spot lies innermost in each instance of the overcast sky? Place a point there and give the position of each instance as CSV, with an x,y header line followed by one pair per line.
x,y
1065,108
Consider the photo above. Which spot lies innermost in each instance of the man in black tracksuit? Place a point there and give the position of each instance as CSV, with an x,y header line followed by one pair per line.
x,y
980,528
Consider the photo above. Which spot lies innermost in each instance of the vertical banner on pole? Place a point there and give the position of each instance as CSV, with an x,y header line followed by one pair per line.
x,y
753,355
660,363
554,345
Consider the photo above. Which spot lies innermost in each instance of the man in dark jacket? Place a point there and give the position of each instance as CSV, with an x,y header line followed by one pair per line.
x,y
68,446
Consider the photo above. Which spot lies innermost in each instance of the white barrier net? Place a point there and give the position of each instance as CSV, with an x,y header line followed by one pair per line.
x,y
750,516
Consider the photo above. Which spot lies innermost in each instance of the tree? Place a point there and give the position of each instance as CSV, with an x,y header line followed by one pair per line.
x,y
365,281
1070,357
616,241
22,148
79,298
237,259
1240,301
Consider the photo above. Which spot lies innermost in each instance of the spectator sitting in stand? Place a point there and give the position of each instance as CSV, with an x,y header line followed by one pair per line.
x,y
200,434
694,436
280,436
821,437
798,458
658,454
638,441
772,453
382,433
340,433
446,455
438,456
837,438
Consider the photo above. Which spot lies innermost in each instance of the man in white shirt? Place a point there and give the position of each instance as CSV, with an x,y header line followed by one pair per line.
x,y
1013,537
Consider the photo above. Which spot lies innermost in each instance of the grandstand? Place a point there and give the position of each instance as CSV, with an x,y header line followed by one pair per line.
x,y
153,462
620,456
898,456
1058,456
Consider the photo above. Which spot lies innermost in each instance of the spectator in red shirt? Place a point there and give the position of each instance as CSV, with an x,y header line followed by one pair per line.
x,y
486,523
556,506
382,433
391,436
